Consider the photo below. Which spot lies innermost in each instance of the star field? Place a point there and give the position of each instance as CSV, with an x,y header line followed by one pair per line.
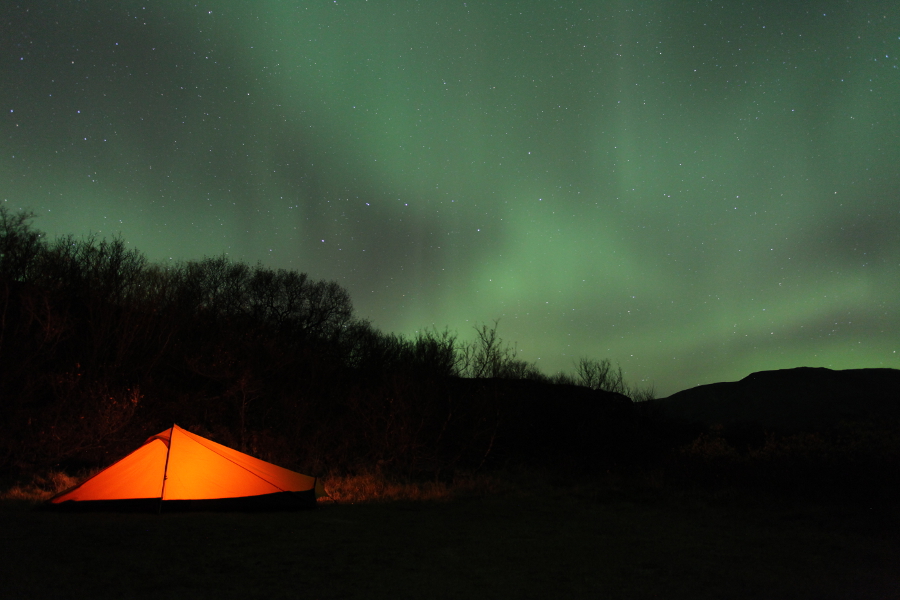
x,y
694,190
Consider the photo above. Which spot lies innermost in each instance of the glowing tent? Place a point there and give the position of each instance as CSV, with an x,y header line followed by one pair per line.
x,y
179,470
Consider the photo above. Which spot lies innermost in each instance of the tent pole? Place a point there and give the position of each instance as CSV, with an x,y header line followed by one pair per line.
x,y
162,492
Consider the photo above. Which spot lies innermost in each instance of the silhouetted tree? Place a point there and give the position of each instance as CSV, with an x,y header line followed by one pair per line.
x,y
19,244
489,357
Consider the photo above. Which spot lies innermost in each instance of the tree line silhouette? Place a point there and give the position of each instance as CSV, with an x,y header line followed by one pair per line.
x,y
100,346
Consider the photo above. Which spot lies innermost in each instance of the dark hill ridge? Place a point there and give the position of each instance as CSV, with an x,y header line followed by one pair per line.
x,y
791,399
537,421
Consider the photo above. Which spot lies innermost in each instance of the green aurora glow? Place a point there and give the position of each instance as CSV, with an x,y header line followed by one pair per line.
x,y
692,190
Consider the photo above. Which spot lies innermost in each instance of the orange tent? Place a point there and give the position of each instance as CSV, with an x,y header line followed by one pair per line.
x,y
181,470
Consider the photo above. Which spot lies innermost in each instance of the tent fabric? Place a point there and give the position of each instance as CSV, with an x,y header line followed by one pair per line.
x,y
177,465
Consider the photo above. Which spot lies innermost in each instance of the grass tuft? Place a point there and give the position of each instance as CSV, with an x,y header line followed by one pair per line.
x,y
373,488
40,488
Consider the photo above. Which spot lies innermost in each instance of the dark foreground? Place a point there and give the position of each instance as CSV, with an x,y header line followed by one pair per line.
x,y
509,546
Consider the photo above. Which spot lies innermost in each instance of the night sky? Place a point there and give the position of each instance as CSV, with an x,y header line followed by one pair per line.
x,y
695,190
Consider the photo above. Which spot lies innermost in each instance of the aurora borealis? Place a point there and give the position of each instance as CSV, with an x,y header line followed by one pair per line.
x,y
694,190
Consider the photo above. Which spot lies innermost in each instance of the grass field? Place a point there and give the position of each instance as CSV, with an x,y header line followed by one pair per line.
x,y
535,543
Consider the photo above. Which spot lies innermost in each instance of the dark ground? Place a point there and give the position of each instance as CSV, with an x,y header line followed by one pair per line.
x,y
516,545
